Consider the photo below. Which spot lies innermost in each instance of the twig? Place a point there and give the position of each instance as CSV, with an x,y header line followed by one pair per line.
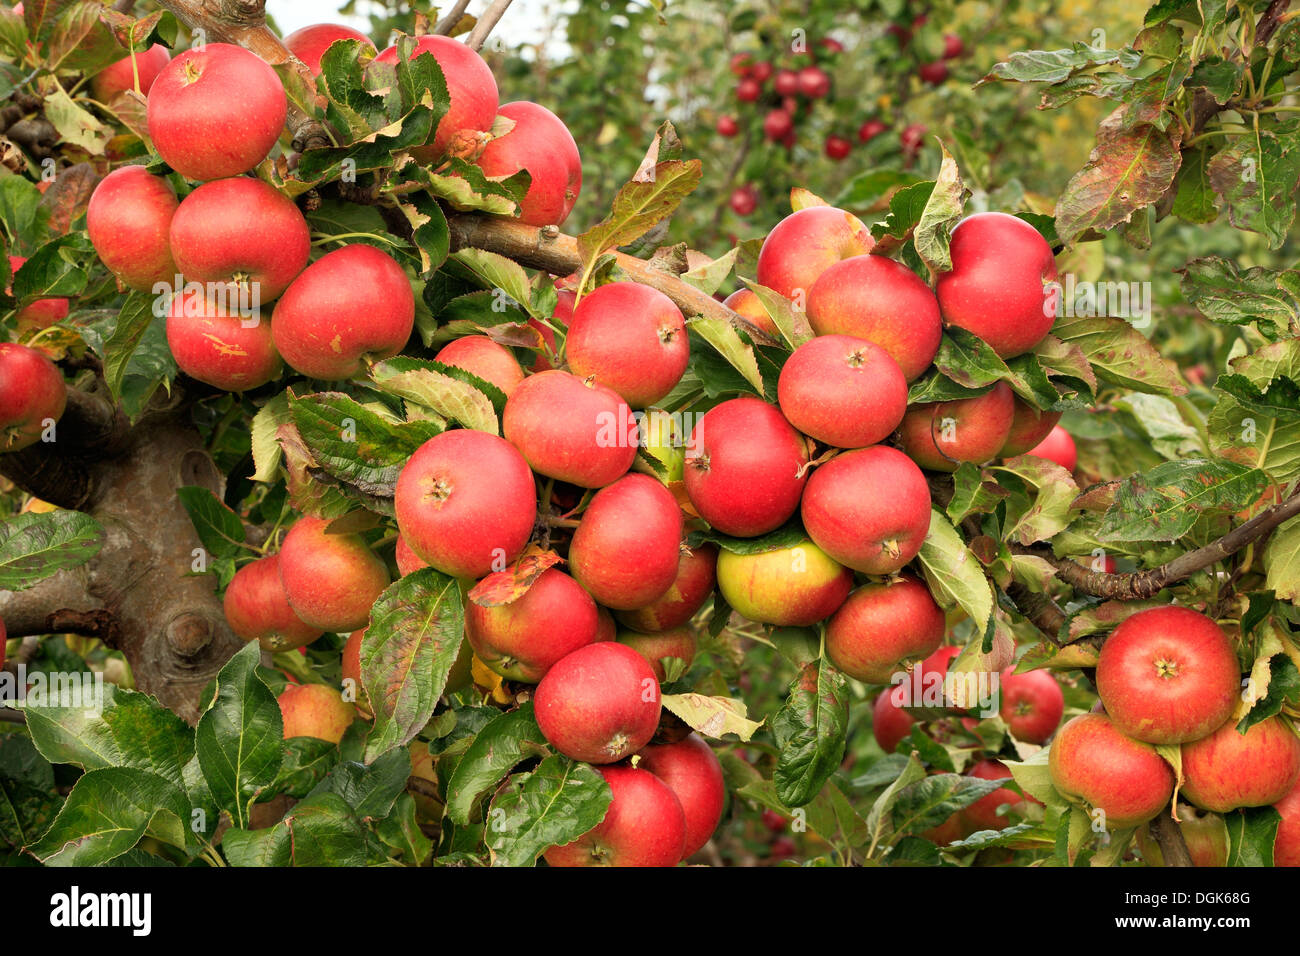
x,y
448,23
1169,836
486,21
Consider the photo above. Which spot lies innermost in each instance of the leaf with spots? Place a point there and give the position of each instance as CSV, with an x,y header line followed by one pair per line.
x,y
1164,503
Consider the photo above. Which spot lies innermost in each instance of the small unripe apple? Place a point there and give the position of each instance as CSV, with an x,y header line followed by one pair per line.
x,y
314,710
626,549
1058,446
678,642
472,90
490,361
941,435
842,391
129,219
882,627
1032,704
983,813
1228,769
257,609
747,303
693,773
121,76
696,577
310,43
224,348
331,580
32,396
727,126
522,640
1124,778
795,586
644,825
1029,426
543,145
838,147
41,313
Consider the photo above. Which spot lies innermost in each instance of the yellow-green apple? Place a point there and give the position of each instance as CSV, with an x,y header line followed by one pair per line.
x,y
407,560
696,577
310,43
216,111
571,430
882,301
805,244
1029,426
1001,286
1168,675
117,77
983,813
1228,769
522,640
32,396
882,627
627,546
230,349
1206,836
257,610
129,218
842,391
1286,847
315,710
678,642
465,503
490,361
256,253
644,825
1032,704
330,579
631,338
794,586
1092,761
745,467
543,145
598,704
941,435
472,90
40,313
349,305
693,773
1059,447
871,533
747,303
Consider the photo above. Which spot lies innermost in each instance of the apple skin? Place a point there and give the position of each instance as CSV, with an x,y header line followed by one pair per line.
x,y
696,578
882,626
310,43
407,560
998,286
1032,704
950,831
214,346
1286,848
40,313
479,355
1228,770
120,76
543,145
522,640
679,642
265,248
257,610
983,813
874,534
571,430
32,391
692,771
1127,779
870,130
129,219
1058,446
465,503
331,580
933,73
1168,675
882,301
626,548
745,467
980,427
350,303
890,723
599,704
350,666
746,302
1206,836
314,710
216,112
630,338
842,391
1029,426
644,825
789,587
471,87
806,244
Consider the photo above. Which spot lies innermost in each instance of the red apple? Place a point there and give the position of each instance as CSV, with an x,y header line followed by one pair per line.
x,y
479,355
1228,769
838,147
696,577
786,83
805,244
310,43
32,396
543,145
814,83
678,642
257,609
350,667
314,710
1286,847
933,73
796,586
741,64
1029,426
983,813
40,313
407,560
1058,446
471,87
777,124
743,200
1032,704
941,435
842,391
129,219
870,129
144,65
747,303
522,640
644,825
748,90
883,626
890,723
1092,761
331,580
727,126
761,71
952,46
913,137
693,773
227,349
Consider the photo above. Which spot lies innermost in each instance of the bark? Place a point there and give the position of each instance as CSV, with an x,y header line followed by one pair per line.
x,y
1169,836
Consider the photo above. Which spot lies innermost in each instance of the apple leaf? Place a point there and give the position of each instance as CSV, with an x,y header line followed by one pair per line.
x,y
400,831
495,750
494,591
941,212
1120,354
1224,293
1252,832
553,805
953,573
265,447
370,790
880,817
801,198
465,188
320,831
728,343
34,546
1054,493
306,762
906,206
930,801
1163,504
712,716
810,731
792,323
76,125
1257,175
1053,66
445,390
219,529
503,277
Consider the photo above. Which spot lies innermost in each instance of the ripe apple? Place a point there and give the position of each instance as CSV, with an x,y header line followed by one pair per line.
x,y
479,355
257,609
1168,675
350,666
727,126
129,219
1206,836
882,626
32,395
747,303
598,704
314,710
890,723
814,82
1029,426
216,111
838,147
606,629
796,586
121,76
219,346
871,533
644,825
983,813
263,249
693,773
913,137
543,145
743,200
331,580
843,391
1092,761
41,313
350,304
805,244
761,71
941,435
1000,283
786,83
933,73
310,43
870,129
1058,446
777,124
1032,704
471,87
952,46
571,430
745,467
630,338
882,301
1228,770
1286,847
407,560
950,831
696,578
748,90
466,503
678,642
626,549
522,640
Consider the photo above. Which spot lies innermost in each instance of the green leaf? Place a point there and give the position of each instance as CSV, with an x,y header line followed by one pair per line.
x,y
953,573
811,732
496,749
1049,510
370,790
1279,400
906,207
320,831
728,343
1226,294
34,546
75,125
266,448
930,801
499,273
1164,503
449,392
551,806
880,817
1120,354
1251,834
941,212
133,321
1256,174
1053,66
713,716
218,527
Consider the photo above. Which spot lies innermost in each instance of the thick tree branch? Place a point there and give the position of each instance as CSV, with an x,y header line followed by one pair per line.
x,y
1169,836
33,611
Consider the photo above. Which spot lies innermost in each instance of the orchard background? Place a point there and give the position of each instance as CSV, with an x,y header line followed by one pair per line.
x,y
1153,153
